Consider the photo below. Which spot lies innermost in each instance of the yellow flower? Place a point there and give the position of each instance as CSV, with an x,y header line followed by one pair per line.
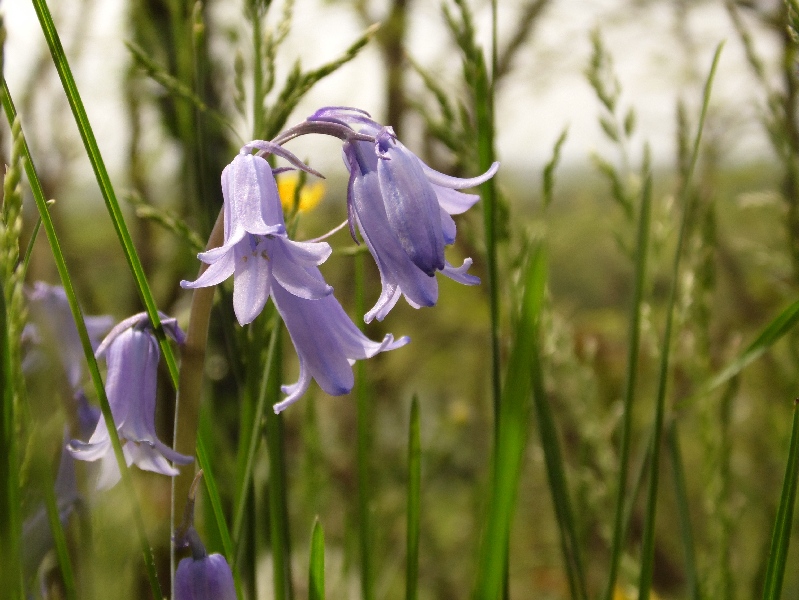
x,y
628,593
310,194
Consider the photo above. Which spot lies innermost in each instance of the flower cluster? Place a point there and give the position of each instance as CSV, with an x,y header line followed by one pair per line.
x,y
402,209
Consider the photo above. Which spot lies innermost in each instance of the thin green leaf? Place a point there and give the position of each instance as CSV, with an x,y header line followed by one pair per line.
x,y
316,568
94,371
783,525
633,345
781,325
160,75
213,492
556,474
513,427
549,169
684,512
298,83
279,532
648,542
414,502
103,180
57,530
363,433
254,437
168,220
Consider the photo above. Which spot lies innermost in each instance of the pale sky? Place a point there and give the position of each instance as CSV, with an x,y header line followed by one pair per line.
x,y
547,92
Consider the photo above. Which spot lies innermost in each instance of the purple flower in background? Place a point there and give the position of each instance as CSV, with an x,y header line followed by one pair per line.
x,y
53,328
132,354
204,577
270,264
403,210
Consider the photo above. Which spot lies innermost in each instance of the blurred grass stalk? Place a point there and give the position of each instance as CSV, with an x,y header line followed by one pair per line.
x,y
414,504
633,345
363,446
783,525
648,542
523,377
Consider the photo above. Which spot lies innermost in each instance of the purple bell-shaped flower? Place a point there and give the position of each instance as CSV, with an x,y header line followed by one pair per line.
x,y
132,354
403,210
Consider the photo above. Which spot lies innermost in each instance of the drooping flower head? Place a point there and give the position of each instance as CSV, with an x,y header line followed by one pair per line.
x,y
132,354
200,576
403,210
265,263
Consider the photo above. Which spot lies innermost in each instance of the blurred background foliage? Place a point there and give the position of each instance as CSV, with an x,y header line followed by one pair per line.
x,y
201,78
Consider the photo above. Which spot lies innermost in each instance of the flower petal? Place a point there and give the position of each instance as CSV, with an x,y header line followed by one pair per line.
x,y
215,274
457,183
312,326
251,283
394,265
292,269
459,274
147,458
412,207
455,203
448,228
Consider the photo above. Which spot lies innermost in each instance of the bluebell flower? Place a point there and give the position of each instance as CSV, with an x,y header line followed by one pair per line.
x,y
204,577
132,354
53,331
403,210
200,576
267,265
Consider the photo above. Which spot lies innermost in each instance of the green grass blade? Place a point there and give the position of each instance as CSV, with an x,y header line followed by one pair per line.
x,y
781,325
556,474
316,569
513,431
254,438
648,543
363,405
57,530
213,493
103,180
160,75
29,250
414,502
278,494
633,344
94,371
781,537
10,523
683,511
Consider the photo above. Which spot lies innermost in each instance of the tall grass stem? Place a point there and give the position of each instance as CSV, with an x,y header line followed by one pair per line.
x,y
633,345
648,542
